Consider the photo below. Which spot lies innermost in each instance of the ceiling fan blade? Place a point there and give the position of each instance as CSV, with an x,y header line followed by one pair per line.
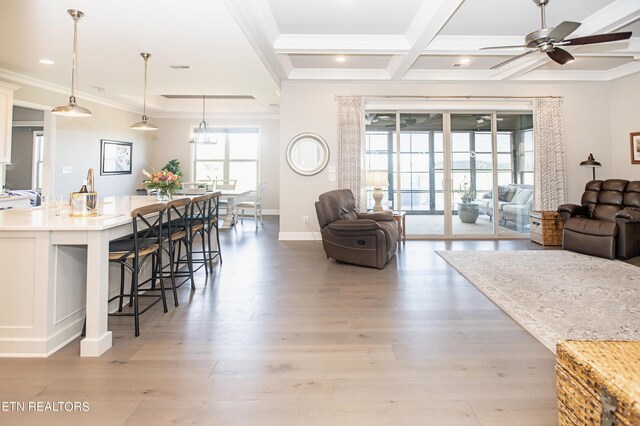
x,y
598,38
512,59
563,30
560,56
502,47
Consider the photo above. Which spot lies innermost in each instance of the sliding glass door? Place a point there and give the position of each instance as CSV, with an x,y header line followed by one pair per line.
x,y
444,168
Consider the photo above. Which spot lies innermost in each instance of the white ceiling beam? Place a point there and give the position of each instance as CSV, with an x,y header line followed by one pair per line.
x,y
608,19
448,75
256,21
565,75
428,22
471,43
338,74
341,43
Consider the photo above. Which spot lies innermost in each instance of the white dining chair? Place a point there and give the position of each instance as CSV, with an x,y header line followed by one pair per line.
x,y
252,202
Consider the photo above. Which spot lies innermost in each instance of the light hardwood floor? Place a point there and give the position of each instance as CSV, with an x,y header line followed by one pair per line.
x,y
279,335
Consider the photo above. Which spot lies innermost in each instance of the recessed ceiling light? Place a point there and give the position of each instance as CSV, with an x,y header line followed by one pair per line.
x,y
46,61
465,61
340,59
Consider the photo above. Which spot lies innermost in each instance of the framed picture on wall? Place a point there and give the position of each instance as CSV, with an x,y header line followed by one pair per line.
x,y
115,157
635,148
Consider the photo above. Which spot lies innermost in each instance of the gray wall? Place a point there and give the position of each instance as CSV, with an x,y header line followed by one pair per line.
x,y
171,141
77,142
308,106
19,172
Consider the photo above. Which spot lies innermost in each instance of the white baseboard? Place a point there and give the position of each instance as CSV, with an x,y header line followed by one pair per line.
x,y
299,236
271,212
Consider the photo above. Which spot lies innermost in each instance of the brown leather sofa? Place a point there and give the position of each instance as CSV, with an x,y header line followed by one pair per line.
x,y
367,239
607,223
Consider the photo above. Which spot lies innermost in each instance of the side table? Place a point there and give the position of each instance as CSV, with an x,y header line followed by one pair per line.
x,y
399,216
546,227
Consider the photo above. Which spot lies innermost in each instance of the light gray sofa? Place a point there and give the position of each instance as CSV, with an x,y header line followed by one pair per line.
x,y
514,204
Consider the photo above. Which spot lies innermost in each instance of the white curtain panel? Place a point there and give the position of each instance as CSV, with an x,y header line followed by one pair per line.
x,y
550,165
351,148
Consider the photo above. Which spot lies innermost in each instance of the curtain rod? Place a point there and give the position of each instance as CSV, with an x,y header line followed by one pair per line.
x,y
462,97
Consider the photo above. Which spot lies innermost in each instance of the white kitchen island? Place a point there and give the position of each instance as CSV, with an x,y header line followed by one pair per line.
x,y
52,267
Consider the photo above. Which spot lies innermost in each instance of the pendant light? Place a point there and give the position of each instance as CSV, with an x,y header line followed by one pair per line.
x,y
144,125
72,109
202,135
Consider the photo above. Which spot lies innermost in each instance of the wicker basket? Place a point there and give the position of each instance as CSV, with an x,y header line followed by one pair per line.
x,y
546,228
598,382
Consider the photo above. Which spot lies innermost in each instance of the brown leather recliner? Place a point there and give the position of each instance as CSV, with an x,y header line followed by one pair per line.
x,y
367,239
607,224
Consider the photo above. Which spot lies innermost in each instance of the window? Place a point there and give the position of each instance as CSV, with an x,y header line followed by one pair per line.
x,y
38,159
234,156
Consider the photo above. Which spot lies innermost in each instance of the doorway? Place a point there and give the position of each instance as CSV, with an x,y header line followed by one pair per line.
x,y
445,167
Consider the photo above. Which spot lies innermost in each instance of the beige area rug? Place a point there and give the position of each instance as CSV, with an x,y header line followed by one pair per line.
x,y
557,294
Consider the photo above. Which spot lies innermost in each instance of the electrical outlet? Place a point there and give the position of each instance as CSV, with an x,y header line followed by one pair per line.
x,y
305,219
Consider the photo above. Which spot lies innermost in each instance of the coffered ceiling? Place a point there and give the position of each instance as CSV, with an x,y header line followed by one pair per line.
x,y
241,50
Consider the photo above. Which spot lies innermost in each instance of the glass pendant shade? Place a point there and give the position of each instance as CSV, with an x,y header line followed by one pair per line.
x,y
72,109
144,124
202,135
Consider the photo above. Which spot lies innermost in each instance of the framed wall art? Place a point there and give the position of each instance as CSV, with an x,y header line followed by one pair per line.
x,y
115,157
635,147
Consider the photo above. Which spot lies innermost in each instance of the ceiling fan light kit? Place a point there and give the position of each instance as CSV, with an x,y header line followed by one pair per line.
x,y
144,124
551,40
72,109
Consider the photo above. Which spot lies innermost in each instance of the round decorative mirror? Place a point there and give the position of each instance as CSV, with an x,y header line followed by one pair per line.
x,y
307,154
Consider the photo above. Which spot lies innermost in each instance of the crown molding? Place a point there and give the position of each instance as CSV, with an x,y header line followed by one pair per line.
x,y
219,116
56,88
623,70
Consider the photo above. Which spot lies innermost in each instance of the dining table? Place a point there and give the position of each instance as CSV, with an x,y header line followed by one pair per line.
x,y
231,196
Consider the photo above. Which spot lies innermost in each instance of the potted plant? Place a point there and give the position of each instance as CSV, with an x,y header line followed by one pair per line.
x,y
467,211
173,166
467,194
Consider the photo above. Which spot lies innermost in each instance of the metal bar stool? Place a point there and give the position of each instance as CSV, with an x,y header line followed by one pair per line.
x,y
196,226
212,226
176,237
132,252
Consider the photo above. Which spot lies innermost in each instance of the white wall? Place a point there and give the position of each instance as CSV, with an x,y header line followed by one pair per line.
x,y
77,142
625,119
311,107
171,141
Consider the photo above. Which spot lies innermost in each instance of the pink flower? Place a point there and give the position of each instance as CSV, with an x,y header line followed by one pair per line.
x,y
156,180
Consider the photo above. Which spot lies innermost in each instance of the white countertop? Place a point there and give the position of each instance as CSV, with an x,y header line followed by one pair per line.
x,y
115,211
4,197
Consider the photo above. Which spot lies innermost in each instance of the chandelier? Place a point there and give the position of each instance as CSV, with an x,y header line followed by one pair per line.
x,y
202,135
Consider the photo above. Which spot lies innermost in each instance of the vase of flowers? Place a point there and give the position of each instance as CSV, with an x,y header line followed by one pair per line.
x,y
163,182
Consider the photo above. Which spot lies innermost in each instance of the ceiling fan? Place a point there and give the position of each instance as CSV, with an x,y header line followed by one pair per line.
x,y
550,40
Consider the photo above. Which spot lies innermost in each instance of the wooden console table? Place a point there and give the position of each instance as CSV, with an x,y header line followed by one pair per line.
x,y
399,216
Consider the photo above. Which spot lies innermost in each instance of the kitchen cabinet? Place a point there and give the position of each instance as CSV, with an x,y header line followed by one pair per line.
x,y
6,120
